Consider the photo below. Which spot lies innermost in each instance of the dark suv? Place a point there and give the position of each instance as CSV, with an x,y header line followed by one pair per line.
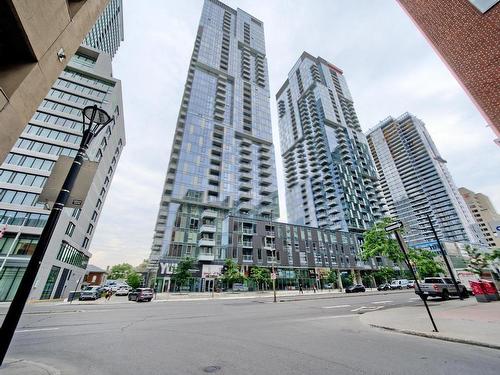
x,y
141,294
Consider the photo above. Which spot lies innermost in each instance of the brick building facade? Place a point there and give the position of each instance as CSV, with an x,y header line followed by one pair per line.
x,y
465,35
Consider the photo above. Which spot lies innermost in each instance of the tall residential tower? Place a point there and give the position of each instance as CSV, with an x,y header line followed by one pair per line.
x,y
416,182
330,178
222,157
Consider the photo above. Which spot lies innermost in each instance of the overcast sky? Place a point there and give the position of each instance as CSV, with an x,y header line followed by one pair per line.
x,y
389,67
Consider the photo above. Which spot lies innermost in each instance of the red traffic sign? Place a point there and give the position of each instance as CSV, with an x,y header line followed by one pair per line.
x,y
273,276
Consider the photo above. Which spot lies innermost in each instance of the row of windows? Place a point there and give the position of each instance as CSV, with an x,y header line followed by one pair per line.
x,y
49,104
54,93
19,178
98,83
83,89
29,162
52,134
45,148
25,245
20,218
68,254
19,197
56,120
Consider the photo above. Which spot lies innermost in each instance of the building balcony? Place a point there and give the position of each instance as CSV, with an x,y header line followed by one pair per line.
x,y
209,214
206,242
208,228
245,207
206,257
245,186
248,258
247,244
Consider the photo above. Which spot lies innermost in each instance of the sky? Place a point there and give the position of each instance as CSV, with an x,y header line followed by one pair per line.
x,y
389,67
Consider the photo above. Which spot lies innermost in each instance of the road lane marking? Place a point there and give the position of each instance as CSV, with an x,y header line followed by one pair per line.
x,y
335,307
382,301
414,298
368,308
36,330
324,317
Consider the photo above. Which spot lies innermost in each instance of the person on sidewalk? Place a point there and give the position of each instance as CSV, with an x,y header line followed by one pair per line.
x,y
109,293
301,291
314,288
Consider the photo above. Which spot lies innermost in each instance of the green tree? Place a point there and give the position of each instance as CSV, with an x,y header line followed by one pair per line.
x,y
134,280
425,262
231,273
377,242
383,275
332,277
120,271
347,280
477,260
260,276
182,272
494,256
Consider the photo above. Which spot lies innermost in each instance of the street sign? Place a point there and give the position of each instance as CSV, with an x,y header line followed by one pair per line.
x,y
394,226
273,276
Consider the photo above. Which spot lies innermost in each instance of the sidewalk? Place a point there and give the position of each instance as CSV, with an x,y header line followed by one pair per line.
x,y
23,367
467,321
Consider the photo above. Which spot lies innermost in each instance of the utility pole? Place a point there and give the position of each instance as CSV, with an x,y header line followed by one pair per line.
x,y
443,253
395,228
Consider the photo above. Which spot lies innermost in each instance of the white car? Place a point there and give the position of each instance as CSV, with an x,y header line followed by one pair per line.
x,y
399,284
122,290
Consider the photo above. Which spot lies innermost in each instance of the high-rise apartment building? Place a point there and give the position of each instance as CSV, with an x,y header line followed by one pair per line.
x,y
56,129
416,182
485,215
330,178
37,40
465,35
222,156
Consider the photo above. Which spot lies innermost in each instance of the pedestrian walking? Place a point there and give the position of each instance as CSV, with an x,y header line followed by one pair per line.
x,y
301,290
314,288
109,293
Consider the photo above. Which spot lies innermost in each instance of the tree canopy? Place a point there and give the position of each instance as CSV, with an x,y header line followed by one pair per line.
x,y
231,273
134,280
260,276
182,272
377,242
120,271
425,262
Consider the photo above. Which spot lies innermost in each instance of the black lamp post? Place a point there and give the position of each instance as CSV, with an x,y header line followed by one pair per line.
x,y
94,121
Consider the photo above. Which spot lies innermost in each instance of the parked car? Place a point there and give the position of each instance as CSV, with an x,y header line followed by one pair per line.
x,y
411,284
141,294
384,286
122,290
355,288
90,293
328,286
440,287
399,284
239,287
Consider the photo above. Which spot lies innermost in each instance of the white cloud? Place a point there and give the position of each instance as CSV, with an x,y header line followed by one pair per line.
x,y
388,65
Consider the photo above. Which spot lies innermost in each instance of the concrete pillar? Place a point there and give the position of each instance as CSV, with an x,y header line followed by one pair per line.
x,y
339,281
353,274
359,279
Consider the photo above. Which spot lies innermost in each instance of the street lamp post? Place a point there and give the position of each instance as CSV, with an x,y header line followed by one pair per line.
x,y
94,121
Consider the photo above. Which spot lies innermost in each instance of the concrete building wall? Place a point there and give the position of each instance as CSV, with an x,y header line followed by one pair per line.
x,y
37,31
55,129
466,38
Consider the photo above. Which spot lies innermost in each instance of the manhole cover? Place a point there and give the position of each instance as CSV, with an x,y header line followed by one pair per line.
x,y
211,369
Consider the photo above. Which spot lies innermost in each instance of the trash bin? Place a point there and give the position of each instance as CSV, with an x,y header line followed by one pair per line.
x,y
479,291
490,289
73,295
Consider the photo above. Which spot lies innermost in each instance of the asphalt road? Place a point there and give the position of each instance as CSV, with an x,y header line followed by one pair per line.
x,y
250,336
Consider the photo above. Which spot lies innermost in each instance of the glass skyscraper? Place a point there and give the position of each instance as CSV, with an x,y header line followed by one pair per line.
x,y
331,182
222,157
416,182
56,129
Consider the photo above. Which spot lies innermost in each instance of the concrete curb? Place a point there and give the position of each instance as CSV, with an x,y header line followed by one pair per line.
x,y
436,337
23,366
338,295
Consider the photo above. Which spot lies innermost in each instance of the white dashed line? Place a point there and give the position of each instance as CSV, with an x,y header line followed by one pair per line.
x,y
335,307
382,302
36,330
